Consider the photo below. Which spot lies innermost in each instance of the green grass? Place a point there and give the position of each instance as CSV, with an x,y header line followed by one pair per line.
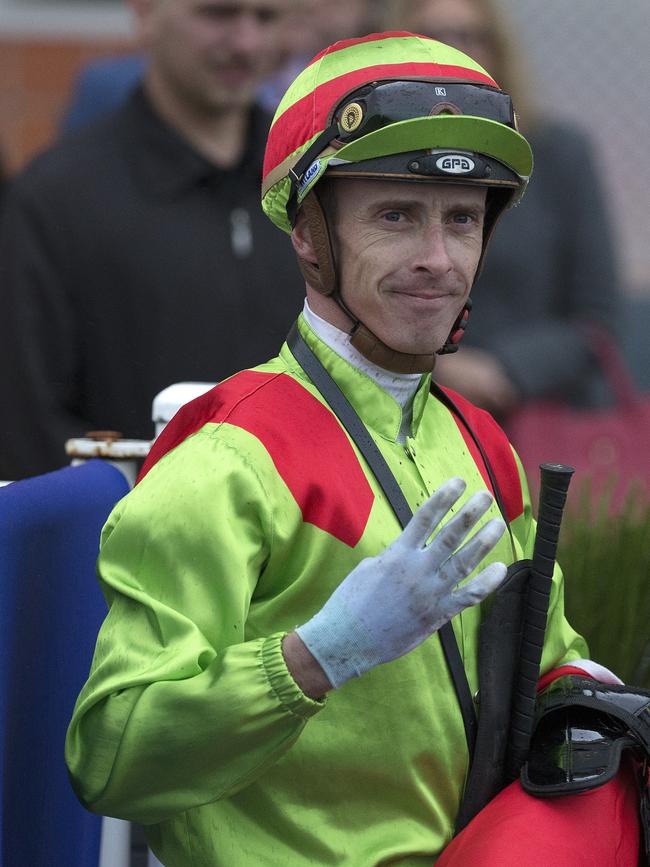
x,y
606,563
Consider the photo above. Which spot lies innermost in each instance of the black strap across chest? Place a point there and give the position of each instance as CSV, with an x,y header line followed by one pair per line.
x,y
348,417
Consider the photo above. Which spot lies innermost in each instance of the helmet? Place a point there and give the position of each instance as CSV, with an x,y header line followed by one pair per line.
x,y
390,106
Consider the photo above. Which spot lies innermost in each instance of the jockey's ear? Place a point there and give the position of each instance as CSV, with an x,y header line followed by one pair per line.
x,y
302,241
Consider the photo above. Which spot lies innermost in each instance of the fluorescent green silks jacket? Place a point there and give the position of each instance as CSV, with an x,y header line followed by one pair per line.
x,y
254,506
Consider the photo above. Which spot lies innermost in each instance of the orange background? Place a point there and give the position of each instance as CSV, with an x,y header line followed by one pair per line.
x,y
36,77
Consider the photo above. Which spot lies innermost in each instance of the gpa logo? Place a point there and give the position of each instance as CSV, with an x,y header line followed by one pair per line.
x,y
455,164
309,175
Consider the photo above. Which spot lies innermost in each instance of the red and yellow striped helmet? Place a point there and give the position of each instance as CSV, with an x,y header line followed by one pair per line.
x,y
362,103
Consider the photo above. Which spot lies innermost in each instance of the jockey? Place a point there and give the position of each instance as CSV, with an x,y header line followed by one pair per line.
x,y
288,670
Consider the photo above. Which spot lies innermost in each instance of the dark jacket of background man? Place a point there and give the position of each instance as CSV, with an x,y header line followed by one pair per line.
x,y
128,262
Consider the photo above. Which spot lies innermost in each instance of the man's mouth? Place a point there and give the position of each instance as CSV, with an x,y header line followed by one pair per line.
x,y
423,294
234,71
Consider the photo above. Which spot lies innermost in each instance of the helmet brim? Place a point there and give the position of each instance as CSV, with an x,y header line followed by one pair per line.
x,y
464,133
449,132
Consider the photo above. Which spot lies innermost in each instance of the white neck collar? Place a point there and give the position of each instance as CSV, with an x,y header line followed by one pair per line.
x,y
400,386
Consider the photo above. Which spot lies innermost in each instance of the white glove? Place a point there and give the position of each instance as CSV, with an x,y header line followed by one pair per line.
x,y
390,603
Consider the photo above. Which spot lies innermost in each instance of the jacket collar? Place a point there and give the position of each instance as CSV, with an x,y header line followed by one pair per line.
x,y
378,410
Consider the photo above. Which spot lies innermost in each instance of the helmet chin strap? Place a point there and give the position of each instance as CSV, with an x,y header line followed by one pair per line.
x,y
322,276
375,350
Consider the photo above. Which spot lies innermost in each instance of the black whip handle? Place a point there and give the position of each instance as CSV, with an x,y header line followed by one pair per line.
x,y
555,479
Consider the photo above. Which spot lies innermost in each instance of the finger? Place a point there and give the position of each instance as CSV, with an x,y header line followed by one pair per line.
x,y
480,587
469,594
469,555
457,529
431,513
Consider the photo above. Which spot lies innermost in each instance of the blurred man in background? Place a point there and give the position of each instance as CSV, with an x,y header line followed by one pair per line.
x,y
132,253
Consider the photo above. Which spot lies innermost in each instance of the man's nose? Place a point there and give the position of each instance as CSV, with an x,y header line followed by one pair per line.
x,y
433,254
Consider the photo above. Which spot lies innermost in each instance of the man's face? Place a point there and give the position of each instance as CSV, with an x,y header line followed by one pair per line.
x,y
407,254
211,53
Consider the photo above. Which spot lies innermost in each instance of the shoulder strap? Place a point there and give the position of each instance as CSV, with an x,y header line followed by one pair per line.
x,y
348,417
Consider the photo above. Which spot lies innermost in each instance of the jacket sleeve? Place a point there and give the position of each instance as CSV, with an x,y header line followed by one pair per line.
x,y
181,707
37,338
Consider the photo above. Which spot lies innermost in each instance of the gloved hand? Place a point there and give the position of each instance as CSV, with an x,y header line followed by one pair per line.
x,y
390,603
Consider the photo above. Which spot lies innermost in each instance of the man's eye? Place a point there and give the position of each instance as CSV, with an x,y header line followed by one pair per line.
x,y
462,218
392,216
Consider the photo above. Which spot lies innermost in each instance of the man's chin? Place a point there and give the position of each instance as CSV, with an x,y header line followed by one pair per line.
x,y
226,100
220,97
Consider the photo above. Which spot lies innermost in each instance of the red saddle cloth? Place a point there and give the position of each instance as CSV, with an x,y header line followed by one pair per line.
x,y
599,828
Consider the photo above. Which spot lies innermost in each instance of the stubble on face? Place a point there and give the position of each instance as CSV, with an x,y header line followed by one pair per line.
x,y
213,54
407,254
